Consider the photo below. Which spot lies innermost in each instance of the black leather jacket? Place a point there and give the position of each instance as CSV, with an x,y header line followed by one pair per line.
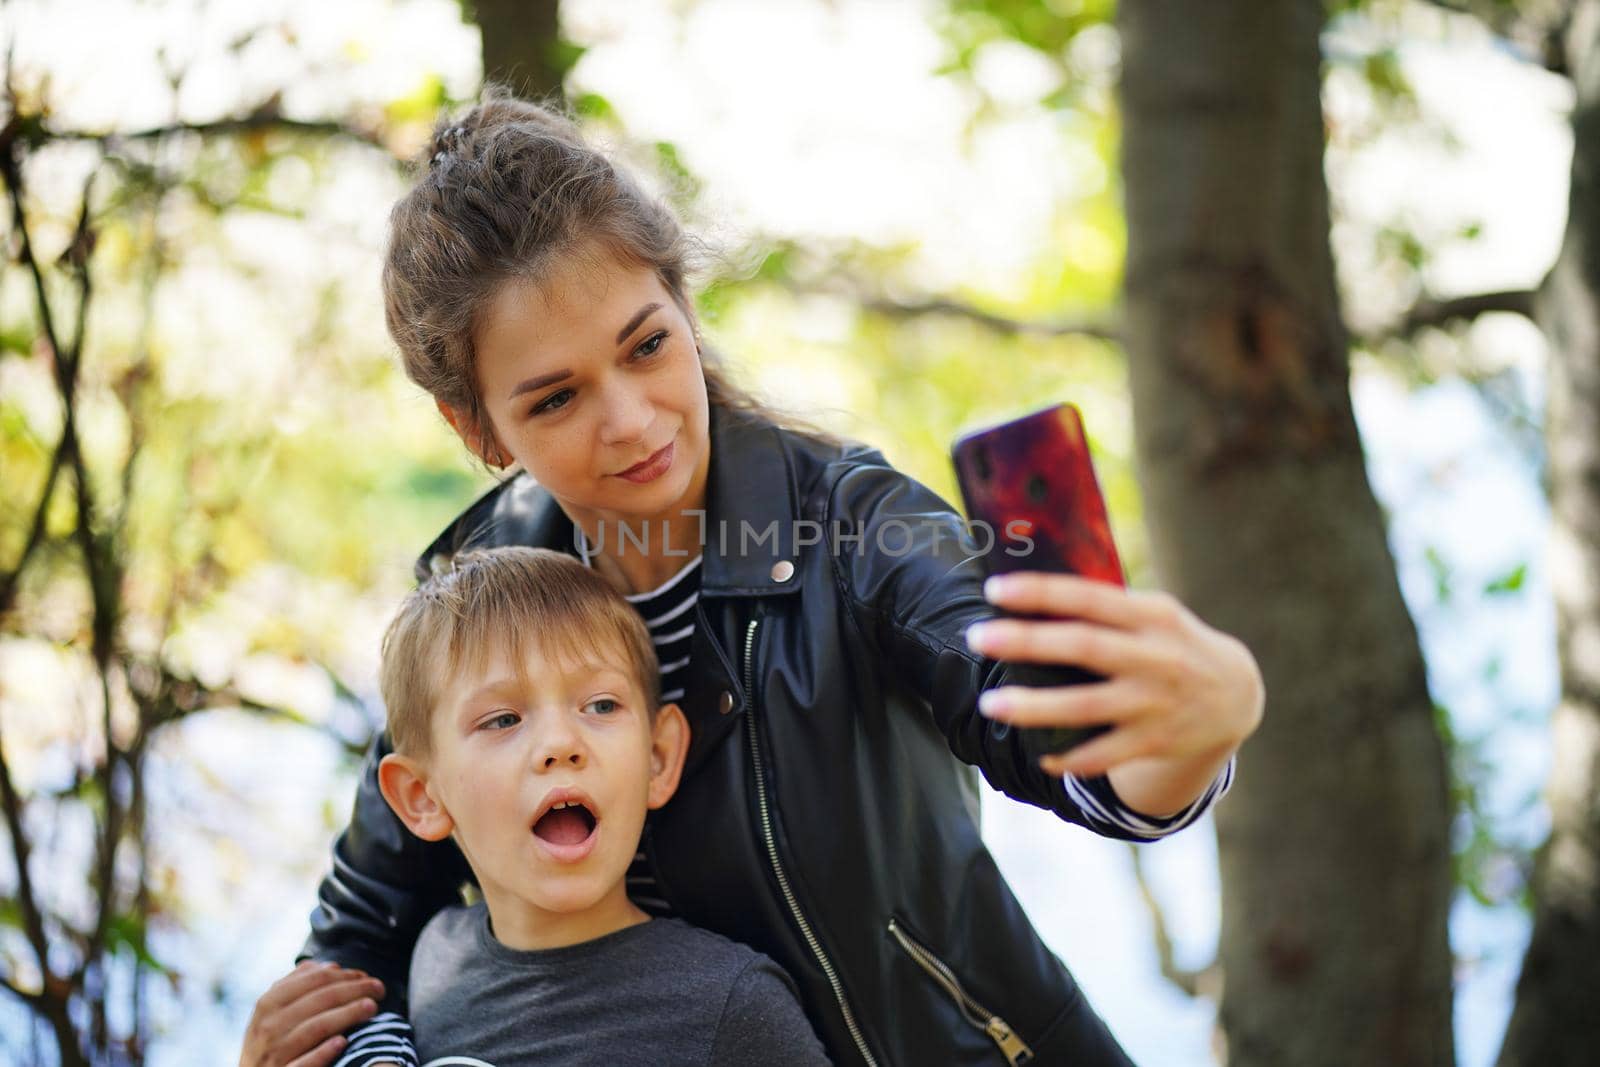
x,y
824,816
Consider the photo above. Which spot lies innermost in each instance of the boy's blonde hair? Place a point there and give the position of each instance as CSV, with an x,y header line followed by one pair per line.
x,y
498,600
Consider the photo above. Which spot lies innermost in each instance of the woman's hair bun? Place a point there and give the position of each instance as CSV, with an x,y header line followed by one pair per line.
x,y
447,139
499,106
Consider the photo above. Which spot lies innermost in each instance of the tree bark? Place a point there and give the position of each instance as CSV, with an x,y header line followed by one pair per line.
x,y
522,45
1334,843
1556,1018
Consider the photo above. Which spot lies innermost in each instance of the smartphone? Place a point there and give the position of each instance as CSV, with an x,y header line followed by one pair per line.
x,y
1033,504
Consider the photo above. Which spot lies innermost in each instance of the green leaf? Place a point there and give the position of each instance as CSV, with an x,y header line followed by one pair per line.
x,y
591,105
1510,582
422,104
563,54
127,930
1385,75
1439,570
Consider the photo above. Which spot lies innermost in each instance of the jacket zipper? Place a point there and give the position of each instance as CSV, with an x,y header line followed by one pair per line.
x,y
771,843
1011,1044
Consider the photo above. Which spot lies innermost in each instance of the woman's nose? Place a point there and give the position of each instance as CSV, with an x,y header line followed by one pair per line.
x,y
628,414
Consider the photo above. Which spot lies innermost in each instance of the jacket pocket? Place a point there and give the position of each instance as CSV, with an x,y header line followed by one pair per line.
x,y
1011,1045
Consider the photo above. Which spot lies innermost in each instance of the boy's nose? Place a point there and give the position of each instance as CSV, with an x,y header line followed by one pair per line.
x,y
558,746
552,760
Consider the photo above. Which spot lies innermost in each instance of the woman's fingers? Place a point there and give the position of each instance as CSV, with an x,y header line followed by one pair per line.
x,y
303,979
318,1000
322,1055
322,1013
1066,705
1070,596
1099,755
305,975
1082,644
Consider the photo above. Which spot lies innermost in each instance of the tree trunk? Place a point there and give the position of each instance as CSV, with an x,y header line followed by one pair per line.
x,y
1556,1019
522,45
1334,844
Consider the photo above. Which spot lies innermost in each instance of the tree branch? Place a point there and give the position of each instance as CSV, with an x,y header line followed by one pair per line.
x,y
11,578
1539,42
1428,312
63,362
11,171
165,696
51,1003
989,320
1204,982
264,120
859,293
32,919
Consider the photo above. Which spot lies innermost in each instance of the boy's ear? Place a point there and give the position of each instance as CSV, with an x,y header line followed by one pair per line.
x,y
487,450
669,744
404,784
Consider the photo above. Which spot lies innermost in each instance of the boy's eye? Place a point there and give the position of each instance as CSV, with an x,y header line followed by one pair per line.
x,y
504,715
605,705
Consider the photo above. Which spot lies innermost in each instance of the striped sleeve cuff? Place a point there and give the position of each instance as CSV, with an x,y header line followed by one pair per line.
x,y
384,1038
1105,813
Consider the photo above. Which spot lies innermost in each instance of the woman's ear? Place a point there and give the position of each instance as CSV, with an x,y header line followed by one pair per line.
x,y
488,450
669,744
404,784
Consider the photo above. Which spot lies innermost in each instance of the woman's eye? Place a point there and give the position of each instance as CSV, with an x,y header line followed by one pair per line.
x,y
652,344
502,717
605,705
554,402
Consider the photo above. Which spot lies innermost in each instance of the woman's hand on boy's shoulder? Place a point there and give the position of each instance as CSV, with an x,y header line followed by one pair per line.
x,y
301,1019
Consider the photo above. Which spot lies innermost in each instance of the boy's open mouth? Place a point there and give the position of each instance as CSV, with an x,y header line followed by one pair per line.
x,y
566,823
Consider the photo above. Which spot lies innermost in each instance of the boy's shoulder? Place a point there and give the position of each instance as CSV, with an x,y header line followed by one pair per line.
x,y
714,960
699,943
454,921
458,932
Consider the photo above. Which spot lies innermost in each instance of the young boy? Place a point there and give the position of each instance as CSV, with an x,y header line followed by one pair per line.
x,y
523,695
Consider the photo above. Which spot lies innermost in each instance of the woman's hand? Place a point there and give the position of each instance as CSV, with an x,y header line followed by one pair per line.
x,y
1177,694
298,1022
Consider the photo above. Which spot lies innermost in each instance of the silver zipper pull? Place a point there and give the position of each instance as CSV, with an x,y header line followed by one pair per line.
x,y
1016,1050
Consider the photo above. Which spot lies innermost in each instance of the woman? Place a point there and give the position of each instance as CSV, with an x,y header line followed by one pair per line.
x,y
811,607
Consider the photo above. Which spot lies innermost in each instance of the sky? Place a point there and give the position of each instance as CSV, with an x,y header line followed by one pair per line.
x,y
782,139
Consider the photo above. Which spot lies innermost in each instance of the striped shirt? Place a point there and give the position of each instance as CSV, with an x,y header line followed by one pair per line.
x,y
1106,814
668,613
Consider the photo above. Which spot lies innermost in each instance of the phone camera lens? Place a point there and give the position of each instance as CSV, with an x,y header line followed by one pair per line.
x,y
1036,488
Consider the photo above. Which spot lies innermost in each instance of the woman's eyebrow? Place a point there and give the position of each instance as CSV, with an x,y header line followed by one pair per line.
x,y
633,323
539,381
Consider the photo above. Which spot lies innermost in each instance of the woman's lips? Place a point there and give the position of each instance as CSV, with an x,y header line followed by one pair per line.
x,y
652,468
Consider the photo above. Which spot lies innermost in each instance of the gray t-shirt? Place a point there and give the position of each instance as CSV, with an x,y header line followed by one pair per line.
x,y
658,994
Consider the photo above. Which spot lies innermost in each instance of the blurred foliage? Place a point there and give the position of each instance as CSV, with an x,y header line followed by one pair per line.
x,y
215,482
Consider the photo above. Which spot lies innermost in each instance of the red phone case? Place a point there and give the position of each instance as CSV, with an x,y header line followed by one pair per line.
x,y
1030,492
